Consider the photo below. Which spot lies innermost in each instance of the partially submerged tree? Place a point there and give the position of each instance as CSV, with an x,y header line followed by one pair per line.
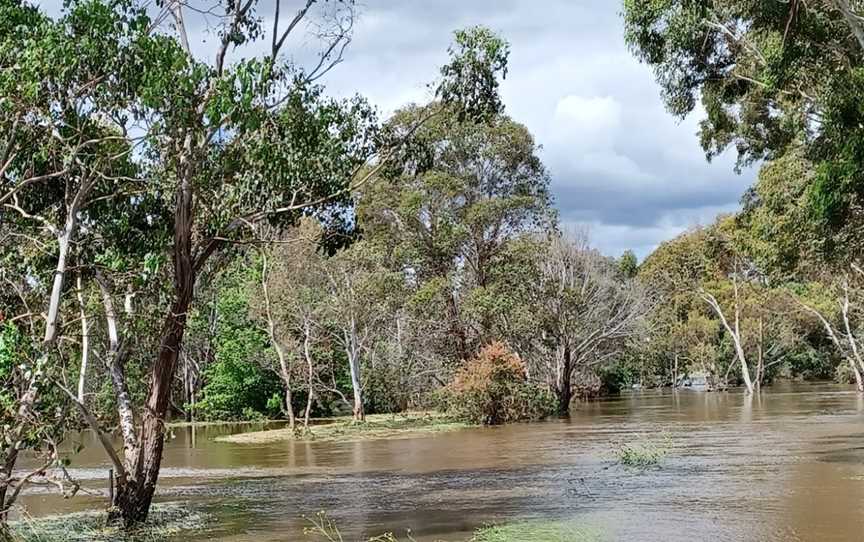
x,y
357,285
585,312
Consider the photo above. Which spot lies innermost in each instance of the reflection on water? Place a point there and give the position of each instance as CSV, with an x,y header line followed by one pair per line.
x,y
785,465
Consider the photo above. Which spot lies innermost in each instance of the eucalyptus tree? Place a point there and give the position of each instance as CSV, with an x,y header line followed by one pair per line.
x,y
446,209
357,306
63,152
773,77
216,147
585,312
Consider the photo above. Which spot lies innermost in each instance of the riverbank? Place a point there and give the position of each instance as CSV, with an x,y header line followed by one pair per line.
x,y
376,426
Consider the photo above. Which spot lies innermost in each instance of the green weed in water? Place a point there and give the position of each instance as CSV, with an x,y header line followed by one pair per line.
x,y
643,453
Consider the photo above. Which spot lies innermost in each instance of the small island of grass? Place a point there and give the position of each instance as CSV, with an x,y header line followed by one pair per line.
x,y
376,426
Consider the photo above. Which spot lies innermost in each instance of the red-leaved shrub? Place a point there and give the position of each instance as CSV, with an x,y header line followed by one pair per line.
x,y
492,389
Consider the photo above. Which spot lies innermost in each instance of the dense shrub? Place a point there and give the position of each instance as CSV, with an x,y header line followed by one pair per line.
x,y
237,384
492,389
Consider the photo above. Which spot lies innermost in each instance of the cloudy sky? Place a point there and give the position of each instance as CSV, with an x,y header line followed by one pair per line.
x,y
619,163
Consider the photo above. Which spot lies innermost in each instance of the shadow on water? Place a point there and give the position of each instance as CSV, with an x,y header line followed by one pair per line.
x,y
786,465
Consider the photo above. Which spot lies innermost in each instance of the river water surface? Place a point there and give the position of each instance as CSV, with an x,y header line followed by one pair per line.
x,y
783,466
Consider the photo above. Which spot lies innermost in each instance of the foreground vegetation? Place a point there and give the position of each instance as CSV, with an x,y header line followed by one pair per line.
x,y
643,452
324,529
540,531
166,521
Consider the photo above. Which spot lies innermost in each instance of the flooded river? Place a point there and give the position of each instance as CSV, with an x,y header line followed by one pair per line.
x,y
787,465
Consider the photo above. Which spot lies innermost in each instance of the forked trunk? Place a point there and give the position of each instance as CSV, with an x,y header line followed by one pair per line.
x,y
134,495
353,351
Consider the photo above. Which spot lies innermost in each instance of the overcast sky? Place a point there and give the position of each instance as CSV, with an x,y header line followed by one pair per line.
x,y
619,163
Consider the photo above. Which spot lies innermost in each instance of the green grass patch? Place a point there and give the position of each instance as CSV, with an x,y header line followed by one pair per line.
x,y
643,453
376,426
164,521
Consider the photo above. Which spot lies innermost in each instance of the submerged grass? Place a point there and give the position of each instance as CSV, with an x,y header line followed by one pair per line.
x,y
539,531
323,529
165,521
376,426
644,452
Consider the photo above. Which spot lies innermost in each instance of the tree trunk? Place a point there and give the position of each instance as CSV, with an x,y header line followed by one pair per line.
x,y
675,372
760,357
187,388
859,383
354,362
307,332
28,398
352,350
133,498
284,370
734,333
116,364
85,339
564,385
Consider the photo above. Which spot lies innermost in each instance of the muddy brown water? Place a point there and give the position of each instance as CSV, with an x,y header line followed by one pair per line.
x,y
783,466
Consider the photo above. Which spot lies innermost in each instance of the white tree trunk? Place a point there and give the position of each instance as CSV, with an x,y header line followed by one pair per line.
x,y
85,339
116,362
353,352
734,333
284,370
310,372
856,371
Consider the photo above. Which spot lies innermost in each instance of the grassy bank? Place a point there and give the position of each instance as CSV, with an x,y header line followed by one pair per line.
x,y
376,426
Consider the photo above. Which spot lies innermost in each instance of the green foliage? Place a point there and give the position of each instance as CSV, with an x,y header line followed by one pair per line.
x,y
237,387
470,79
621,374
453,209
779,81
540,531
492,389
165,521
628,264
